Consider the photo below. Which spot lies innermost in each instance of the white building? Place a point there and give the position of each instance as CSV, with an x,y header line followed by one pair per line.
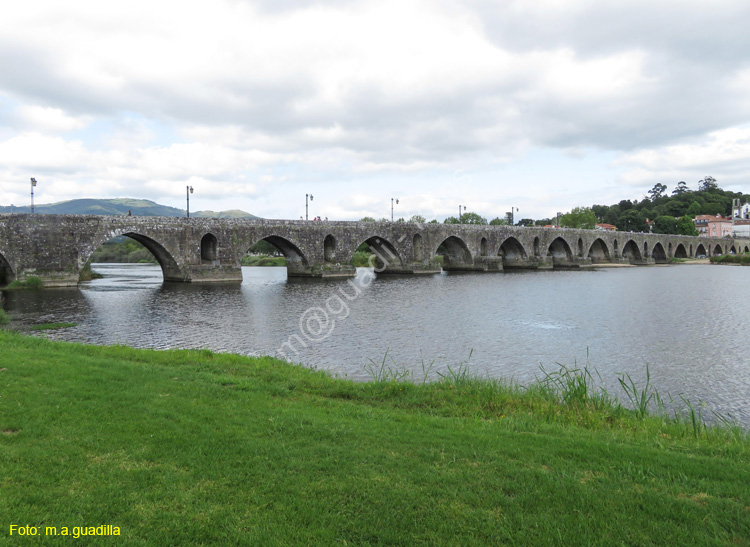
x,y
740,219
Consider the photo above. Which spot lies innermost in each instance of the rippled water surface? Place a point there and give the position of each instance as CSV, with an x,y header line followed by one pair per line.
x,y
687,322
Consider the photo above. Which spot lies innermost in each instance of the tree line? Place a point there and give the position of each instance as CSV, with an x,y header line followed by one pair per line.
x,y
659,211
669,213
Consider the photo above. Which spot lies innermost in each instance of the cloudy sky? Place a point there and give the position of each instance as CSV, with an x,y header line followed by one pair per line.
x,y
541,105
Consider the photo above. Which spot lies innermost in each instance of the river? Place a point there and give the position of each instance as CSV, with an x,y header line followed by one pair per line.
x,y
687,323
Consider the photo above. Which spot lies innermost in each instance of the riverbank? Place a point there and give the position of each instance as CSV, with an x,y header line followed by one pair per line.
x,y
192,447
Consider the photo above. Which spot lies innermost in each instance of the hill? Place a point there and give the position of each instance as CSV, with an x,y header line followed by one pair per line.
x,y
119,206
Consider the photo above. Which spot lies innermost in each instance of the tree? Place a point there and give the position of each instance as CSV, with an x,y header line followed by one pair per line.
x,y
580,217
665,225
707,183
419,219
694,209
657,191
632,221
497,221
525,222
472,218
681,188
451,220
686,227
265,248
600,211
612,215
367,219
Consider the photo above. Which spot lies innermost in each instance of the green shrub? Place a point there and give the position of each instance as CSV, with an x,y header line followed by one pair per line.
x,y
262,260
4,319
362,259
32,282
87,274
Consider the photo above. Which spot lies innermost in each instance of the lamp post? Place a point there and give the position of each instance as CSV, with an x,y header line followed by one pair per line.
x,y
512,216
310,197
33,183
459,212
392,199
188,191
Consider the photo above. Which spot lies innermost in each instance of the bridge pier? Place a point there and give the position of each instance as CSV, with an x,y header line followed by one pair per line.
x,y
209,273
323,270
456,266
52,279
489,263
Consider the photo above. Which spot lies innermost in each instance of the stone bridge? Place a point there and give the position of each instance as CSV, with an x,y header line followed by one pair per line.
x,y
56,247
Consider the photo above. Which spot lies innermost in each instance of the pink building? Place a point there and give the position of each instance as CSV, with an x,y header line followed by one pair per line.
x,y
713,226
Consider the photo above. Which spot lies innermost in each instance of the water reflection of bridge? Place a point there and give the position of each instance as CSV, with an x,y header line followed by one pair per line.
x,y
56,247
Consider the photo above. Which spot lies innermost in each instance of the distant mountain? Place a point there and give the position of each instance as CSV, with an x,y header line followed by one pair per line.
x,y
119,206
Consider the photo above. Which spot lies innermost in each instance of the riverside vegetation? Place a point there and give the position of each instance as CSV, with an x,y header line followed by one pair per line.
x,y
742,259
193,447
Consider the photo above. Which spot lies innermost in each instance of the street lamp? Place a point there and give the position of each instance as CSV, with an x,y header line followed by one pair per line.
x,y
310,197
33,183
392,208
459,212
512,216
188,191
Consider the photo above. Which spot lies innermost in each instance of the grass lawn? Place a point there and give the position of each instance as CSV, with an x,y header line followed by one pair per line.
x,y
197,448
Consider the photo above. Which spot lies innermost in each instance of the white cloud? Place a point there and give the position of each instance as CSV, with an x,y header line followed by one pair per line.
x,y
254,100
723,154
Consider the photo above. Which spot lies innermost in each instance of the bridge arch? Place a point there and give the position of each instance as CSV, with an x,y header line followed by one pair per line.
x,y
669,250
295,259
208,248
631,251
329,248
645,248
658,253
537,252
385,253
700,250
746,249
6,272
598,252
717,250
455,252
559,248
512,253
580,247
733,250
169,268
680,251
